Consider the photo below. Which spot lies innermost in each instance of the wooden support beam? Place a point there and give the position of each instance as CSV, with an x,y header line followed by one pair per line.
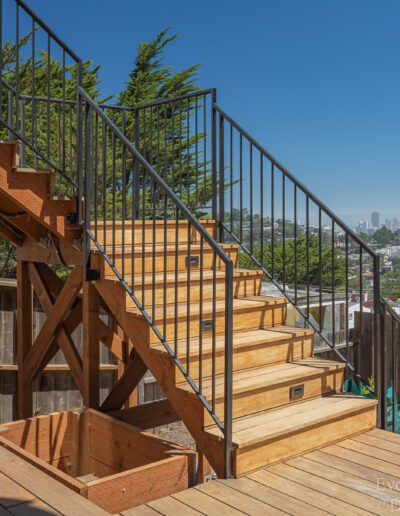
x,y
9,233
63,338
132,375
35,359
107,336
24,336
91,348
148,415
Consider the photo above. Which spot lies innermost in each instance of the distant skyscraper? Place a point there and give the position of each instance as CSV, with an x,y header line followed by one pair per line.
x,y
395,224
375,219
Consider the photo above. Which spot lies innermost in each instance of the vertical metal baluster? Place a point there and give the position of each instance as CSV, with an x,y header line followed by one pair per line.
x,y
188,285
394,391
196,150
48,99
165,269
23,127
173,146
361,296
201,317
221,177
71,159
295,242
17,69
205,187
135,203
231,174
272,220
251,198
180,149
214,319
143,222
188,178
262,209
153,265
395,375
114,188
333,284
176,281
321,322
241,186
123,213
104,173
283,231
34,121
96,170
347,296
308,253
64,126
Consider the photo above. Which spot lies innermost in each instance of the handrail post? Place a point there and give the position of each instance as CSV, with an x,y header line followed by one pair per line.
x,y
221,178
79,143
88,174
214,153
228,415
379,348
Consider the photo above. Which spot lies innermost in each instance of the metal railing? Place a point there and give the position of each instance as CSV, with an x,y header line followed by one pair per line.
x,y
150,239
36,67
285,230
390,348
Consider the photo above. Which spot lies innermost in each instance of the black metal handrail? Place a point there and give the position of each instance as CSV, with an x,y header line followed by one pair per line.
x,y
49,133
137,211
251,179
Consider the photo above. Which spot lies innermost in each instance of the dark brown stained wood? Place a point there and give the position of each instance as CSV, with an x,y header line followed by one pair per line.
x,y
10,234
112,341
148,415
132,375
63,338
35,360
91,339
24,346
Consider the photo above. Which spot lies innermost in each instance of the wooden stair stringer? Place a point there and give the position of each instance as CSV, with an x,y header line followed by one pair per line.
x,y
30,192
187,405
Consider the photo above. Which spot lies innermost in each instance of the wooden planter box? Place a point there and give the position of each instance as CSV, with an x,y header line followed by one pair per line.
x,y
105,460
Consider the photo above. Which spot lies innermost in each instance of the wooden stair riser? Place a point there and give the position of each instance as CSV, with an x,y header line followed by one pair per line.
x,y
162,262
253,457
150,233
242,286
243,319
251,356
252,401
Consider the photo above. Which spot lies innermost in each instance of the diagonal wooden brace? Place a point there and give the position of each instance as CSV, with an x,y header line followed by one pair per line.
x,y
126,384
35,359
63,337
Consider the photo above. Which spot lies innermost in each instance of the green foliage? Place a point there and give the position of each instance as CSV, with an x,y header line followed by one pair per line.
x,y
300,257
390,284
7,259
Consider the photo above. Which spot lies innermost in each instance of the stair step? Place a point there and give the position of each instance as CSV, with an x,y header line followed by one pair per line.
x,y
187,283
162,257
248,313
274,435
266,387
251,348
149,231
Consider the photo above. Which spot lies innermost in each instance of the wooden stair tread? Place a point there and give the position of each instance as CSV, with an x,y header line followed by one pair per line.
x,y
256,302
242,339
269,376
159,248
182,276
274,423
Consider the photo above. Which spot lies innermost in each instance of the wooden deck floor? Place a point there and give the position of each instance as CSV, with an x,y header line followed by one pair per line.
x,y
355,476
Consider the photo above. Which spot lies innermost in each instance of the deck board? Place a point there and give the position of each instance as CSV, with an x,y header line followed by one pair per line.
x,y
356,476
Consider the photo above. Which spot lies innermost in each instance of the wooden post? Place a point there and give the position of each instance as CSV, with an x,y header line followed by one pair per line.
x,y
91,349
24,338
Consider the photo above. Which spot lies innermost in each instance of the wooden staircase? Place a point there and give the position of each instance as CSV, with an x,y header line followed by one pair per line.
x,y
285,400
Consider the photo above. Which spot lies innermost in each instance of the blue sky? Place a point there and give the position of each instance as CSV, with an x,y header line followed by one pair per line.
x,y
317,82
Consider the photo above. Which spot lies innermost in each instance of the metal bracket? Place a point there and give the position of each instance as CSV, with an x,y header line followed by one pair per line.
x,y
72,218
92,275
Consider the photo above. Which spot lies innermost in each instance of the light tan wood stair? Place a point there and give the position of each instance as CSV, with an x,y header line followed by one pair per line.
x,y
285,399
